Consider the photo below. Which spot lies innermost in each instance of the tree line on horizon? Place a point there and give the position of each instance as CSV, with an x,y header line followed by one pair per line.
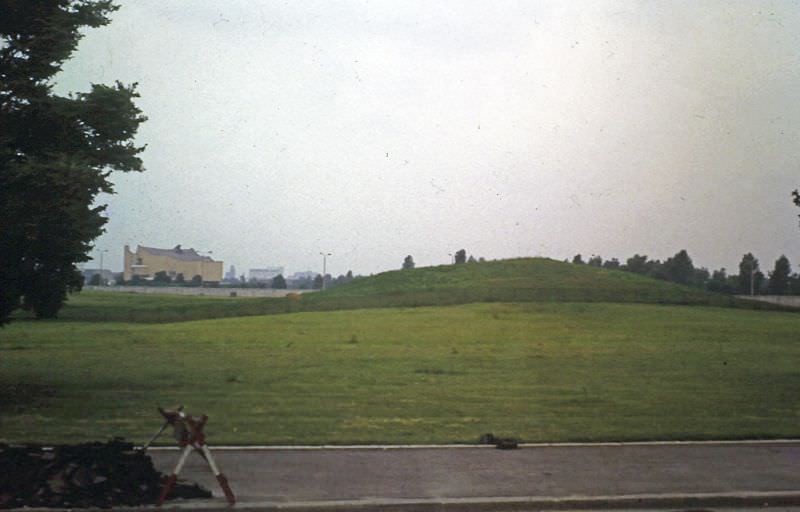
x,y
680,269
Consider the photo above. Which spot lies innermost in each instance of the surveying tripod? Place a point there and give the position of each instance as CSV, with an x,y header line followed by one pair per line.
x,y
190,436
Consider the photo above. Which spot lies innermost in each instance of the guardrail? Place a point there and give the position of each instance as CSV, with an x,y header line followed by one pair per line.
x,y
789,301
191,290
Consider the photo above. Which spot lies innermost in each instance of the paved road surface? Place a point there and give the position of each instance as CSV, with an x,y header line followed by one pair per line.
x,y
292,476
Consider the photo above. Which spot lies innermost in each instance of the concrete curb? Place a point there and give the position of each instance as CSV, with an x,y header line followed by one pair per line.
x,y
488,504
518,504
255,448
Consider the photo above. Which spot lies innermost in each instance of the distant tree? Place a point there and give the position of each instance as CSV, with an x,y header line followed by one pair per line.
x,y
779,277
595,261
637,264
161,277
179,279
613,264
719,282
749,275
318,282
679,268
95,280
461,256
794,284
481,259
577,260
279,282
349,276
408,263
120,279
700,277
197,280
136,280
471,259
796,198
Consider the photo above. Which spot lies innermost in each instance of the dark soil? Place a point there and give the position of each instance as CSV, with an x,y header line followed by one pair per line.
x,y
85,475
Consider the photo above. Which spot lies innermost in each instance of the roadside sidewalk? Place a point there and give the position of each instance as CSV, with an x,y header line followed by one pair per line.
x,y
610,476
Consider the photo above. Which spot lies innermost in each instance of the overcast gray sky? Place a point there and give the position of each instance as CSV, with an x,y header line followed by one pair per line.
x,y
373,130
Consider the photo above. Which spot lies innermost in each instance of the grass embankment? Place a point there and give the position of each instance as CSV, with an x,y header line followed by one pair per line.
x,y
519,280
535,371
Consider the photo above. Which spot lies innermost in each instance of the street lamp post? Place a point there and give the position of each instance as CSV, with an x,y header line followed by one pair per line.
x,y
102,251
324,266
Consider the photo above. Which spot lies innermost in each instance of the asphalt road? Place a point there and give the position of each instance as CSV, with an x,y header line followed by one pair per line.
x,y
359,475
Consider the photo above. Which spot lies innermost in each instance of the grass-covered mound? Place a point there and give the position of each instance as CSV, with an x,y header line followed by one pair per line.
x,y
517,280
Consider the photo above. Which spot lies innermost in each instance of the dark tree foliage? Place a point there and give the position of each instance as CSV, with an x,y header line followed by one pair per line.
x,y
700,277
719,282
318,282
637,264
595,261
197,280
779,277
461,256
796,198
679,268
613,264
95,280
161,277
408,263
279,282
749,281
179,279
577,260
56,152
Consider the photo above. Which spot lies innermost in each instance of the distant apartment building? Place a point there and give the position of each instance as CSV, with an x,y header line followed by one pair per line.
x,y
230,276
306,274
264,275
147,261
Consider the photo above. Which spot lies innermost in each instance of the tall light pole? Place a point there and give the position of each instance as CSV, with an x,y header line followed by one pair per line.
x,y
102,251
324,266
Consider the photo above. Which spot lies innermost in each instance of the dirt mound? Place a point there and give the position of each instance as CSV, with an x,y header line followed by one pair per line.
x,y
85,475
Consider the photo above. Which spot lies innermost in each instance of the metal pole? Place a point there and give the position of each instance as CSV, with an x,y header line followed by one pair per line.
x,y
101,265
324,267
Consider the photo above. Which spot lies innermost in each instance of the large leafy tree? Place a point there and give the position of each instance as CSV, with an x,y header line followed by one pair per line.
x,y
796,198
779,277
750,277
56,152
679,268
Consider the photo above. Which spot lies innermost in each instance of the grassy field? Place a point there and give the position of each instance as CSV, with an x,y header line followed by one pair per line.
x,y
518,280
538,371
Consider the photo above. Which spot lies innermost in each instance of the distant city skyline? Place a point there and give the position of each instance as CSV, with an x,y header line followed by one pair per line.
x,y
375,130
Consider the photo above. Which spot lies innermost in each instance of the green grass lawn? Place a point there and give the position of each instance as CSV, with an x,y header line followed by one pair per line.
x,y
538,371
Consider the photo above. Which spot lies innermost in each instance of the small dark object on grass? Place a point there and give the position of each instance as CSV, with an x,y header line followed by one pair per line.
x,y
501,443
101,475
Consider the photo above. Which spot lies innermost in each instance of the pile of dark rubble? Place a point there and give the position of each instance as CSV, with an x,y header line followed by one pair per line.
x,y
501,443
85,475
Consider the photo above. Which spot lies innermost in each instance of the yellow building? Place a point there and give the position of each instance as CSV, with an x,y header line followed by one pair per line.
x,y
146,261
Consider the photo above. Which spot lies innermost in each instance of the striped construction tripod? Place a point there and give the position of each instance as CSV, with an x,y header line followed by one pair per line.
x,y
190,437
